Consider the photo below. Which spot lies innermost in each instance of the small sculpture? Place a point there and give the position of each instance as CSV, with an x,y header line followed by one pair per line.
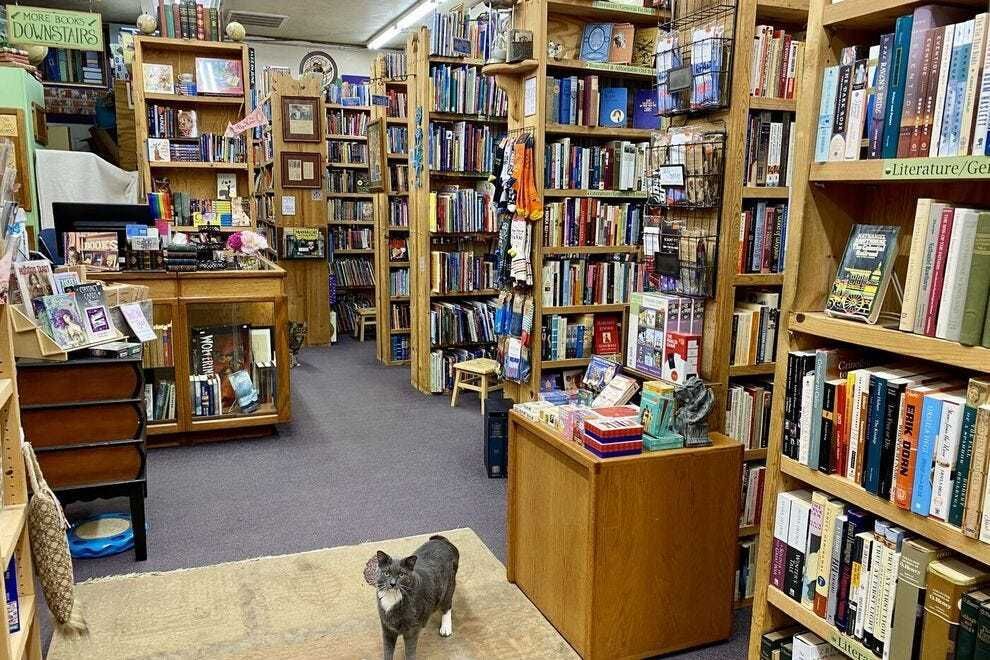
x,y
555,50
297,335
146,23
235,31
694,402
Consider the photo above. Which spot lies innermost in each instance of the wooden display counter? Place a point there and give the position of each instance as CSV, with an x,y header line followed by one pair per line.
x,y
627,557
186,302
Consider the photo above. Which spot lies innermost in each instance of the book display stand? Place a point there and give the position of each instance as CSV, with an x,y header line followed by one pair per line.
x,y
294,218
392,217
827,199
430,359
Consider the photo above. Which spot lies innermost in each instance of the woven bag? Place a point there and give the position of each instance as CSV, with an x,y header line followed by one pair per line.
x,y
50,548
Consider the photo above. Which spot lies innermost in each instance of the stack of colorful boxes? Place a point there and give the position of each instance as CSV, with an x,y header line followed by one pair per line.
x,y
656,414
614,432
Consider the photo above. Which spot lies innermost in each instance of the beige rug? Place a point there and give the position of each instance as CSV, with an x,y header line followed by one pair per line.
x,y
308,605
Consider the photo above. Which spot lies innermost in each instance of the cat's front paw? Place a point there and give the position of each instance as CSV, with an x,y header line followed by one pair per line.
x,y
446,625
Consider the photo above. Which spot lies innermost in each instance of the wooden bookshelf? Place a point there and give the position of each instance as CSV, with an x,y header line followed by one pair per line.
x,y
213,114
306,278
826,200
790,15
422,240
385,230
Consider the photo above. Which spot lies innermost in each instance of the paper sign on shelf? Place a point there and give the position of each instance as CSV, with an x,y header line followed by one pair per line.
x,y
138,322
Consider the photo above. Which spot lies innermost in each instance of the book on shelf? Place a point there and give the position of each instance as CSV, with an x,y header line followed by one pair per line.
x,y
200,20
398,249
747,416
397,139
343,152
461,271
755,320
461,147
762,237
582,280
460,33
349,210
753,480
456,209
166,122
219,76
777,59
398,102
591,222
346,238
350,91
398,282
463,89
11,596
159,398
468,322
568,337
863,276
63,65
769,149
920,92
157,354
354,272
342,122
617,165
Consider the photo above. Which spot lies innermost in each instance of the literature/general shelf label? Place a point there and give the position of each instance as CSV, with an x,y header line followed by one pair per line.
x,y
967,167
60,28
624,7
849,646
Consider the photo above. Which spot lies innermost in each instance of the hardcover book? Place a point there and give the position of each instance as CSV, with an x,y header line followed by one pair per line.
x,y
621,49
645,110
614,101
68,330
159,150
864,273
92,307
219,76
158,78
948,580
596,42
645,46
97,250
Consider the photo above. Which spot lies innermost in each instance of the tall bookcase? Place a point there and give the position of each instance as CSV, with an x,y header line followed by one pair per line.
x,y
213,113
306,278
392,219
537,16
730,282
827,199
349,207
424,181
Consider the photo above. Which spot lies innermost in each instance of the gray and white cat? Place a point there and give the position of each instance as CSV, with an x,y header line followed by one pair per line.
x,y
410,590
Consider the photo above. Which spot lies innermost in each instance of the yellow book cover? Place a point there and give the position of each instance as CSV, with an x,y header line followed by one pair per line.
x,y
948,580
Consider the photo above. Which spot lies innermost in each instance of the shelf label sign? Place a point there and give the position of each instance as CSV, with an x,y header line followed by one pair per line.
x,y
966,167
59,28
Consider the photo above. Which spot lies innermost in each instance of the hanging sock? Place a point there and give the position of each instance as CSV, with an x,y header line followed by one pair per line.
x,y
533,205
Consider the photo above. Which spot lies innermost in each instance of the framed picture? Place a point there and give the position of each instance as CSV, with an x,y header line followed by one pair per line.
x,y
301,170
13,132
40,124
301,119
376,156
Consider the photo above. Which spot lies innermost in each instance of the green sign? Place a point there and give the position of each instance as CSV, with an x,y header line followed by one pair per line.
x,y
956,167
54,27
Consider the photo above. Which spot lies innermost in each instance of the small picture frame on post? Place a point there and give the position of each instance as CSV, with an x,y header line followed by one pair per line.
x,y
301,170
301,119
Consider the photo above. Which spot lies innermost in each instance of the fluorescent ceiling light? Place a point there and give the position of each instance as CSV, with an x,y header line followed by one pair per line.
x,y
406,21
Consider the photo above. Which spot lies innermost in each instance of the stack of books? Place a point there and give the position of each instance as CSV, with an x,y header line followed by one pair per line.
x,y
470,322
608,437
769,149
70,66
754,328
190,20
583,281
588,221
464,90
748,416
618,165
923,91
207,148
777,59
460,210
461,147
762,237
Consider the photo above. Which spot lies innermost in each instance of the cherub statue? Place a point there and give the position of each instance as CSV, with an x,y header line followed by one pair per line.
x,y
694,402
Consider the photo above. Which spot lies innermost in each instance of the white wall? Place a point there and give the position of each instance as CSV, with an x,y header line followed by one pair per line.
x,y
351,60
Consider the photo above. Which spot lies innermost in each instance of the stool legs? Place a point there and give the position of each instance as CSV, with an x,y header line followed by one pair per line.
x,y
483,392
457,388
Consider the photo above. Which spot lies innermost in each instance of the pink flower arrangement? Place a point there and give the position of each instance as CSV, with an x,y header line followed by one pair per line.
x,y
247,242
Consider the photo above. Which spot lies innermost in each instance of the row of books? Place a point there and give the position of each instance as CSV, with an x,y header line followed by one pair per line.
x,y
157,353
763,237
398,178
463,210
617,165
745,578
190,20
400,347
343,122
349,210
665,335
208,148
349,92
460,33
753,480
755,320
398,102
398,282
398,212
354,272
206,395
947,284
178,208
461,272
395,64
618,43
73,66
397,139
159,400
902,431
471,322
461,147
345,311
342,181
568,337
344,238
169,122
778,58
589,221
747,417
868,578
399,313
464,90
224,363
580,101
583,281
442,364
769,149
923,91
346,152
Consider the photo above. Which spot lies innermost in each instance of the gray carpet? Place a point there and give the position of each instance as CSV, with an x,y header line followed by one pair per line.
x,y
366,457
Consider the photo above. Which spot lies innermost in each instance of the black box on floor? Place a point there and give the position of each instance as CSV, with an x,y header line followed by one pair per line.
x,y
497,436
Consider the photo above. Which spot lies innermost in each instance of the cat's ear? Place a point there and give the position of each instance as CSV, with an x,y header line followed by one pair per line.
x,y
409,563
383,559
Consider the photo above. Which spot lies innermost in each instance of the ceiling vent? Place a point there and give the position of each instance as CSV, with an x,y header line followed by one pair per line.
x,y
251,19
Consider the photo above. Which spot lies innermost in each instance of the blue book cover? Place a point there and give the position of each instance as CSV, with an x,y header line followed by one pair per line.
x,y
614,101
874,433
10,591
881,85
565,101
931,418
894,103
826,113
595,42
954,92
645,110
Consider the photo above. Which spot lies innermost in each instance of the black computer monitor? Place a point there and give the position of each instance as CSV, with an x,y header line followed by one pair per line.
x,y
73,216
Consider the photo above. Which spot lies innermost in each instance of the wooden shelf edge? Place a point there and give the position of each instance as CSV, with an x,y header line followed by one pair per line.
x,y
19,640
510,69
755,454
12,520
935,530
901,170
763,369
766,192
801,614
748,531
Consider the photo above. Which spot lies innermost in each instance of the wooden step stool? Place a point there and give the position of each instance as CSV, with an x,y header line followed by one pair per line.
x,y
366,317
478,375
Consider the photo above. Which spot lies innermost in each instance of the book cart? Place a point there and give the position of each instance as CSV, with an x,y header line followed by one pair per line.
x,y
392,218
214,113
350,211
306,272
424,181
14,540
731,282
544,18
827,199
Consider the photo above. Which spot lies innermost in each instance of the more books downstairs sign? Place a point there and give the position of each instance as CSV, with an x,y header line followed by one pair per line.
x,y
58,28
958,167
